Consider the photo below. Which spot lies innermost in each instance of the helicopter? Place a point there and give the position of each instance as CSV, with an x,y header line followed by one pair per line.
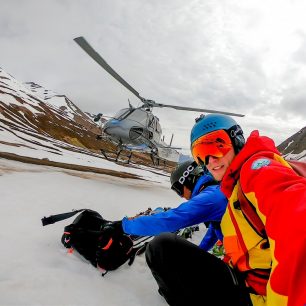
x,y
137,128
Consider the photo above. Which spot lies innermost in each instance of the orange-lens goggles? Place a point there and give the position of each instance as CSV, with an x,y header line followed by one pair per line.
x,y
215,144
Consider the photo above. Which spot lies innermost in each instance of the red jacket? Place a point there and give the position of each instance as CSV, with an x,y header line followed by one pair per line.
x,y
279,196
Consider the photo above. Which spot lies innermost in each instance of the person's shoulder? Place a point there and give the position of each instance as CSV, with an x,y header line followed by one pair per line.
x,y
212,191
255,164
205,178
262,167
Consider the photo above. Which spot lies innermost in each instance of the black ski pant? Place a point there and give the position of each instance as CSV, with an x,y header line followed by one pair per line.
x,y
187,275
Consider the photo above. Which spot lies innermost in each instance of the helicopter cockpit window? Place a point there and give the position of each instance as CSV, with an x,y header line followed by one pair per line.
x,y
158,127
151,122
123,113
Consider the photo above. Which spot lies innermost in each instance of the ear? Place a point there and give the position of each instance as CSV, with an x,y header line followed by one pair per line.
x,y
238,143
187,193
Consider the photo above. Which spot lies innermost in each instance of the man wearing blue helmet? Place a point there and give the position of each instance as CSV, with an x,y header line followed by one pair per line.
x,y
264,263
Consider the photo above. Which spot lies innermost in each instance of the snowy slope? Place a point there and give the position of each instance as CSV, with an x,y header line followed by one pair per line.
x,y
36,269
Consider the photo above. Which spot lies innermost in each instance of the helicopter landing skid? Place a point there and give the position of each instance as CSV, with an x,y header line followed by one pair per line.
x,y
108,156
157,161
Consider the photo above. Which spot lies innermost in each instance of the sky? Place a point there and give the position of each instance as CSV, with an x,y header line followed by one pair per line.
x,y
36,268
228,55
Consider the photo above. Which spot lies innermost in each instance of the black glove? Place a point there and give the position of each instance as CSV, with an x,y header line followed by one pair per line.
x,y
110,230
114,228
113,246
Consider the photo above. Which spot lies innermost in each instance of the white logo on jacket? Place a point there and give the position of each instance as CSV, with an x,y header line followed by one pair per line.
x,y
259,163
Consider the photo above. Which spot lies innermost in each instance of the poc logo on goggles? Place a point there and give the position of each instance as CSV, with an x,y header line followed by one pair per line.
x,y
186,174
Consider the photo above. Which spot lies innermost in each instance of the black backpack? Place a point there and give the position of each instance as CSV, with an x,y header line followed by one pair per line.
x,y
86,235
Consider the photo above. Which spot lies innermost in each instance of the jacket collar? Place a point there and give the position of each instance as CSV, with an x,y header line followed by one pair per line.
x,y
203,179
254,144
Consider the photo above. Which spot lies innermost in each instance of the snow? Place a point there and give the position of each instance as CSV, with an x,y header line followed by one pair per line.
x,y
54,150
289,143
35,267
300,156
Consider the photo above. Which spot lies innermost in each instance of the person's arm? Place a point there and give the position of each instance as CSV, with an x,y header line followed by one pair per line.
x,y
209,205
280,196
209,239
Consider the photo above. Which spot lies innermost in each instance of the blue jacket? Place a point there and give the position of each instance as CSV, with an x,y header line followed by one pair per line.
x,y
204,206
212,235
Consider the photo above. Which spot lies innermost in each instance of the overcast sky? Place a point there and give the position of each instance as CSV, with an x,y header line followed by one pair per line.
x,y
237,56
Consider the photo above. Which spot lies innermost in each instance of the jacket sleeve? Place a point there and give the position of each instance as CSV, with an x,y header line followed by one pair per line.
x,y
209,239
280,197
209,205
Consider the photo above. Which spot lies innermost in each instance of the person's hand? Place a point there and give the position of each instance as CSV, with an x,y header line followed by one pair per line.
x,y
110,231
113,227
113,246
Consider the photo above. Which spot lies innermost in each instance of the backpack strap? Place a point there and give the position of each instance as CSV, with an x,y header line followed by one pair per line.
x,y
55,218
248,209
250,213
298,166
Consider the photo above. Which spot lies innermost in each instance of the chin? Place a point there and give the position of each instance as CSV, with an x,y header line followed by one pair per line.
x,y
218,177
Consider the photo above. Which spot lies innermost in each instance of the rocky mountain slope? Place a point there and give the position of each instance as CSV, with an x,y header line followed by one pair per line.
x,y
33,118
295,146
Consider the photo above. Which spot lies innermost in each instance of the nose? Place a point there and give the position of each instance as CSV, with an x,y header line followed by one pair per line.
x,y
210,159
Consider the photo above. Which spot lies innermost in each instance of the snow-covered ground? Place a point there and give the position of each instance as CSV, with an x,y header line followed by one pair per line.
x,y
35,267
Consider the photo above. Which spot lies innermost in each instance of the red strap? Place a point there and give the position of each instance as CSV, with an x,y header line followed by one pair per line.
x,y
250,213
248,208
108,244
298,166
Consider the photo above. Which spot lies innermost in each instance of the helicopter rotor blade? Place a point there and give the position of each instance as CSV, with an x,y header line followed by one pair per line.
x,y
82,42
193,109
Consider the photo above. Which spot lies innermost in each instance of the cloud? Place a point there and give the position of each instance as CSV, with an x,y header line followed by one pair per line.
x,y
231,55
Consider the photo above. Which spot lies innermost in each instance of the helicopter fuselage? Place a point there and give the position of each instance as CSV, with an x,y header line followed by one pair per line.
x,y
134,126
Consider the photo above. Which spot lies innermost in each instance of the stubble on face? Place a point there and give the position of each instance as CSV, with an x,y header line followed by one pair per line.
x,y
217,166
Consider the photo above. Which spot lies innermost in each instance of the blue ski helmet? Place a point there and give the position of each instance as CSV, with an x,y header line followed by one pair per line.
x,y
206,124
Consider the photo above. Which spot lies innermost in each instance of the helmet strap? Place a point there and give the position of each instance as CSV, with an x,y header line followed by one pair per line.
x,y
236,135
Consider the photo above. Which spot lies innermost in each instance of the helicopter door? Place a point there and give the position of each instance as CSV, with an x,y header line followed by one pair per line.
x,y
151,126
158,131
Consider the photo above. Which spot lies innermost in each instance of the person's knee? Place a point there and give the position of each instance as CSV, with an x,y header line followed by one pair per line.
x,y
158,246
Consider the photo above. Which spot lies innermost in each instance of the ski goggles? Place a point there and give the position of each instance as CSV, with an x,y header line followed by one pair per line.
x,y
216,144
179,189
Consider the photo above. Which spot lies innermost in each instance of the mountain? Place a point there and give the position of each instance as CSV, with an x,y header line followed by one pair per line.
x,y
295,146
65,105
34,120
